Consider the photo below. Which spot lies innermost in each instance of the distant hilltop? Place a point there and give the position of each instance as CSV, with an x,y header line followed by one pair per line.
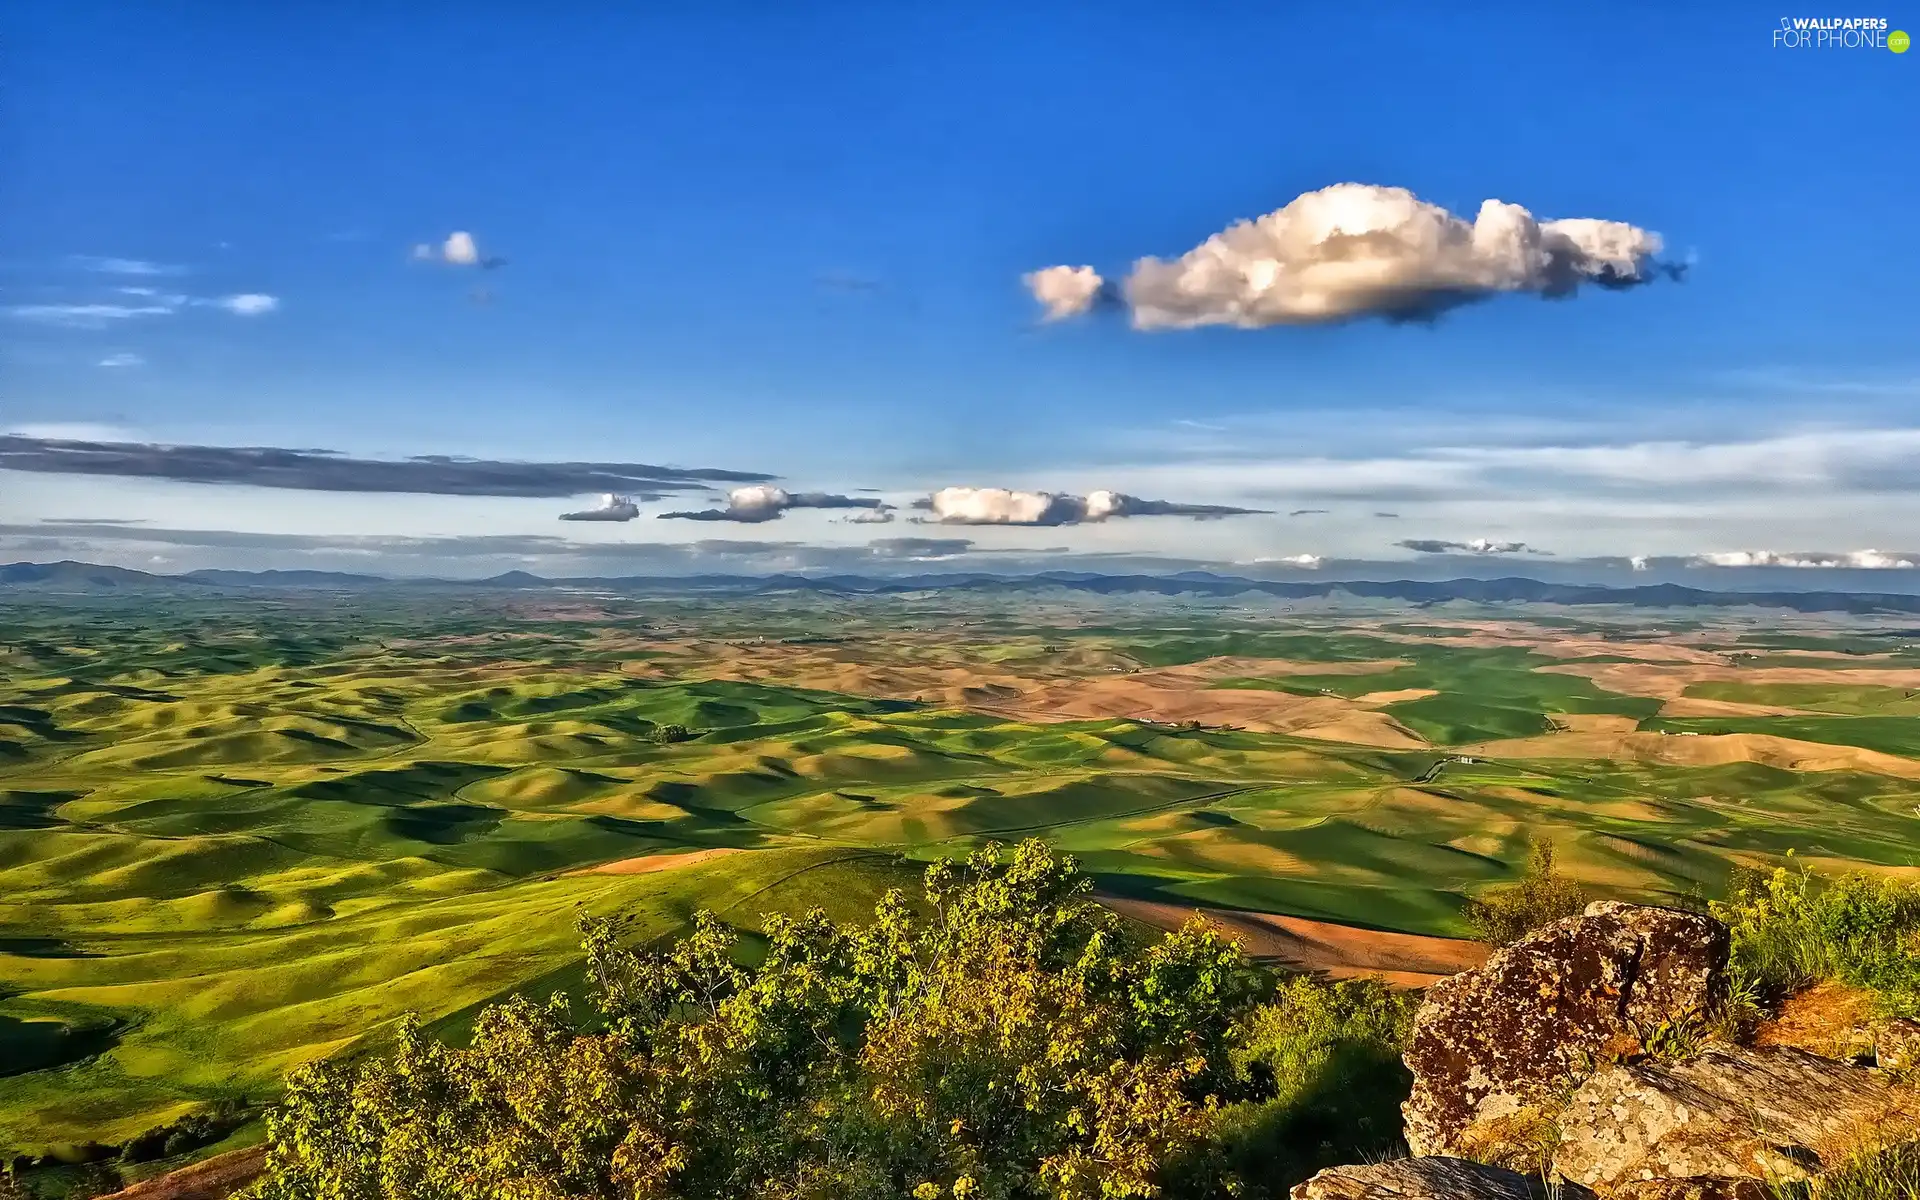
x,y
81,577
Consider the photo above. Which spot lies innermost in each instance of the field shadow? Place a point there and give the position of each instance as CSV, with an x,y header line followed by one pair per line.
x,y
443,824
33,810
28,1045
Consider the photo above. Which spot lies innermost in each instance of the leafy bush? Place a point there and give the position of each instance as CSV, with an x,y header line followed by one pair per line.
x,y
1542,897
1792,928
668,735
94,1179
188,1133
1011,1042
1323,1061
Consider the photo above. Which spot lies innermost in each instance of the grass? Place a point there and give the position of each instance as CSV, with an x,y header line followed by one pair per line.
x,y
1792,928
238,833
1888,1173
1854,700
1887,734
1481,693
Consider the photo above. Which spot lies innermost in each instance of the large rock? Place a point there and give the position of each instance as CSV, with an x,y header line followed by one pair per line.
x,y
1775,1114
1494,1048
1420,1179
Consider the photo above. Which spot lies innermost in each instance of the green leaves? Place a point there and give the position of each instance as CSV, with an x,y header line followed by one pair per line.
x,y
1792,928
1006,1039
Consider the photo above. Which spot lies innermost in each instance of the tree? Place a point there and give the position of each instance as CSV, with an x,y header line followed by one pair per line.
x,y
1542,897
1007,1038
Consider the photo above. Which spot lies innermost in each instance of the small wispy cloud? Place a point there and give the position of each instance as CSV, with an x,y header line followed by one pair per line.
x,y
122,360
142,302
87,316
919,549
248,304
107,265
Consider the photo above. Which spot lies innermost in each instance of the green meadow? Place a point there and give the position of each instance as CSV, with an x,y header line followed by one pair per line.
x,y
241,832
1482,694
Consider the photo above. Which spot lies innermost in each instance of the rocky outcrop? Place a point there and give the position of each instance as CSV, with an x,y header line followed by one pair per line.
x,y
1494,1049
1436,1178
1729,1113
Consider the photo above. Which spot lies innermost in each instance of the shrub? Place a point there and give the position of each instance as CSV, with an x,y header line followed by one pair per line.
x,y
668,735
1321,1062
1011,1042
1542,897
94,1179
1792,928
188,1133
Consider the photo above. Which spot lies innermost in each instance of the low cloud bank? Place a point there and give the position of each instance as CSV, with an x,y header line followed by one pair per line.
x,y
325,471
1358,250
755,504
1005,506
1859,560
1306,562
1476,546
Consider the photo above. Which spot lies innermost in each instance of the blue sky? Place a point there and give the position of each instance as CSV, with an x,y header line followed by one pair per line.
x,y
763,240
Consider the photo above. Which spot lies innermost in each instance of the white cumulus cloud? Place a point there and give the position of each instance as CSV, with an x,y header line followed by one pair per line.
x,y
754,503
459,249
1358,250
1064,291
612,507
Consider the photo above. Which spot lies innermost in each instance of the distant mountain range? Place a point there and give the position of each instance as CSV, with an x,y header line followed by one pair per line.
x,y
93,578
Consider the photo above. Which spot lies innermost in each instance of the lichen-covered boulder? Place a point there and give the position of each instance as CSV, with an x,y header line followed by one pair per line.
x,y
1773,1114
1493,1048
1437,1178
